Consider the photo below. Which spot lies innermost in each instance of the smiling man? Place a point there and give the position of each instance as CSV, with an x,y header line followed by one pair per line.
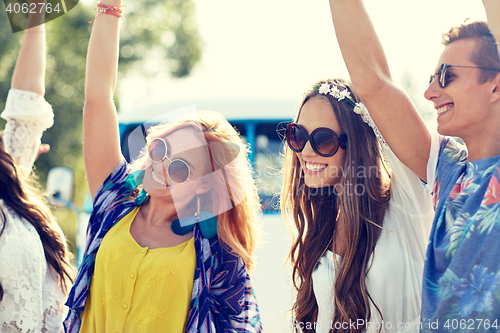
x,y
461,284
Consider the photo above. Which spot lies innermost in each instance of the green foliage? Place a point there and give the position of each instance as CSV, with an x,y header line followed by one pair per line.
x,y
166,27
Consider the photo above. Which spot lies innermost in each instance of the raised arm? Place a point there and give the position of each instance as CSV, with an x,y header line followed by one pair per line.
x,y
27,113
101,142
29,73
389,106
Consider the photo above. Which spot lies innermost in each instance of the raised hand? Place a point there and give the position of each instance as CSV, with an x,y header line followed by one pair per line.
x,y
29,73
101,140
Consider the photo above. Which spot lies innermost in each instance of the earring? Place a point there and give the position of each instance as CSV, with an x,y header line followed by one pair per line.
x,y
197,214
207,223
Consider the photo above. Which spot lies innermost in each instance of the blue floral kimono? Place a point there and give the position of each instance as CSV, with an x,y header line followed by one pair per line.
x,y
222,300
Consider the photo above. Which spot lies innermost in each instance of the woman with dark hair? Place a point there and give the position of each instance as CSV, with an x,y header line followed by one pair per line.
x,y
362,220
35,273
172,235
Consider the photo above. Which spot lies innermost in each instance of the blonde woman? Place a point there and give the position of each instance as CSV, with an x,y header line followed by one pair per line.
x,y
172,236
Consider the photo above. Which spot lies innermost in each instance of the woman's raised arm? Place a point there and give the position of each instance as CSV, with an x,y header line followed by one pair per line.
x,y
29,73
27,113
101,142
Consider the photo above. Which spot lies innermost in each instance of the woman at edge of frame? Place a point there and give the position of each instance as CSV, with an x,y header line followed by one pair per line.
x,y
35,269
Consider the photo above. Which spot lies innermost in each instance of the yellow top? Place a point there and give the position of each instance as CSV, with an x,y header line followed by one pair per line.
x,y
134,289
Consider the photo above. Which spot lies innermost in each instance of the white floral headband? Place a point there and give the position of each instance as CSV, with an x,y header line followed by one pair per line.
x,y
325,89
359,108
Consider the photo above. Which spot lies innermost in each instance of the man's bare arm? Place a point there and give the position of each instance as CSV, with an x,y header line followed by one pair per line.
x,y
391,109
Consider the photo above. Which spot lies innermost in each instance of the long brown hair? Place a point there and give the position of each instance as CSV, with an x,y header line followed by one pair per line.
x,y
238,227
360,207
23,196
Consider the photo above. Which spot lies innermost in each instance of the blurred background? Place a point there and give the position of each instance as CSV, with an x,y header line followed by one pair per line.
x,y
193,49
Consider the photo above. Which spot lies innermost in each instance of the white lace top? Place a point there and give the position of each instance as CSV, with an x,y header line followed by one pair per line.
x,y
32,300
395,277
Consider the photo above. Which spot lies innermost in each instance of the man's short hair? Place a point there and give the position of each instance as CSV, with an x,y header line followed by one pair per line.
x,y
485,53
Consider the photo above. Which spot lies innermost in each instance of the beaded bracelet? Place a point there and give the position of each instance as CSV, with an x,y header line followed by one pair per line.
x,y
105,9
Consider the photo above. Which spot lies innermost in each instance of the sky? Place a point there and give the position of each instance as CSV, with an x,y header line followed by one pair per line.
x,y
279,48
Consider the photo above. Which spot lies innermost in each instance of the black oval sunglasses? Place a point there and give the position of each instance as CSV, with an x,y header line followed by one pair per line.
x,y
324,141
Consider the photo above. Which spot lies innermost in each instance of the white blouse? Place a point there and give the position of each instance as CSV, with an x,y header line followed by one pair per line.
x,y
395,278
33,300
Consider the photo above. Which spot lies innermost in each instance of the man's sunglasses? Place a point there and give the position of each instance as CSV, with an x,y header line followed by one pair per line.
x,y
324,141
443,78
178,170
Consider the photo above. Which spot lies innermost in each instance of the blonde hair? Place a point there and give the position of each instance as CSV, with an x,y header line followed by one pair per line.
x,y
237,227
